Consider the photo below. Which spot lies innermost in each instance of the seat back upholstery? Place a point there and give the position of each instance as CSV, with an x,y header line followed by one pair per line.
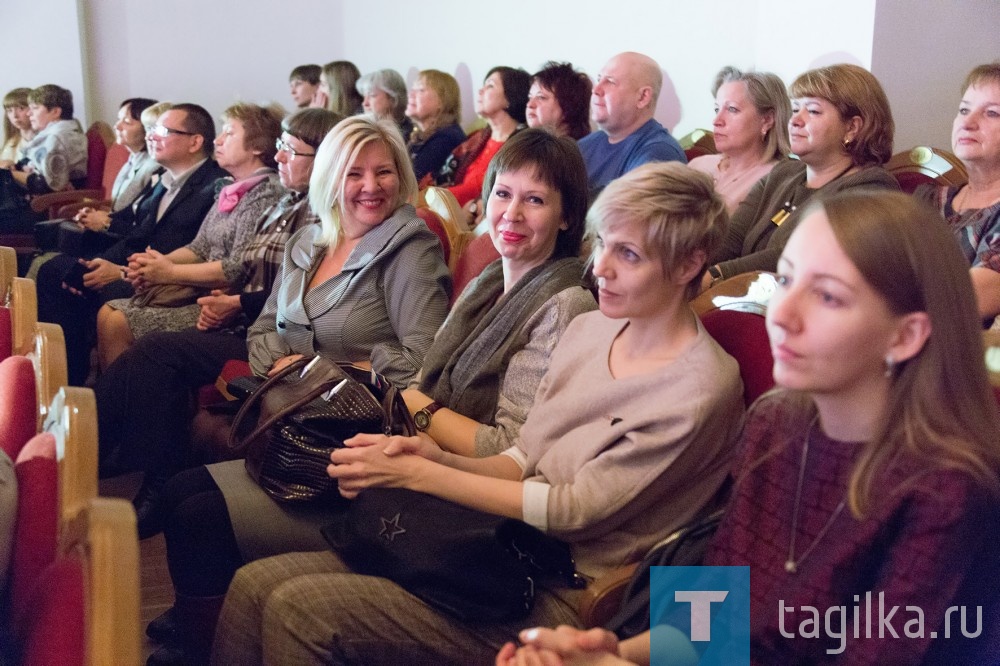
x,y
85,610
476,256
18,404
445,205
924,164
57,480
732,311
99,137
434,223
36,528
697,143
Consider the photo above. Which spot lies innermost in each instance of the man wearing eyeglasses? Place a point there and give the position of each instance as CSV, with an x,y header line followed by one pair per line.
x,y
168,215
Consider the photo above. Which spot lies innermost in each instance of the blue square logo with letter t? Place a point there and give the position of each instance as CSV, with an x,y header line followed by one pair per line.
x,y
699,615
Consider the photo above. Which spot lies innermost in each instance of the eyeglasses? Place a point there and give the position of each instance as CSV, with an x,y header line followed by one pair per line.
x,y
164,132
292,154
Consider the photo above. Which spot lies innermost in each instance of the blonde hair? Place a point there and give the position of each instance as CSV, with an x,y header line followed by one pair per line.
x,y
152,113
448,94
334,158
854,91
941,413
768,95
679,207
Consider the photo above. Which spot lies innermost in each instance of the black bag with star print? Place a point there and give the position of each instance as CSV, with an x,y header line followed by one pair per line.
x,y
475,566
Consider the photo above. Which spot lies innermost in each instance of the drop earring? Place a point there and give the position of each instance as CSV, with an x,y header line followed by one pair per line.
x,y
890,365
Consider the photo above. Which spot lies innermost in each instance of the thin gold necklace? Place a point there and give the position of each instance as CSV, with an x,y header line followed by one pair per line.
x,y
792,564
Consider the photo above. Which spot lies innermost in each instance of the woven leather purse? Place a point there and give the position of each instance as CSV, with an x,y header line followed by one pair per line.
x,y
297,417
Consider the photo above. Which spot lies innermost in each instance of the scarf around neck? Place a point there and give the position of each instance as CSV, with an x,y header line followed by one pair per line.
x,y
464,368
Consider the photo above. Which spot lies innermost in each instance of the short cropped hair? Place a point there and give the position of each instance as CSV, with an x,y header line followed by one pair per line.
x,y
557,162
572,89
392,84
52,96
987,73
338,152
198,121
261,128
448,93
308,73
768,95
341,78
682,213
516,85
854,91
310,126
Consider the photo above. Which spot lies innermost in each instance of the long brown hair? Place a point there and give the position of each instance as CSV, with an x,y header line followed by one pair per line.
x,y
941,412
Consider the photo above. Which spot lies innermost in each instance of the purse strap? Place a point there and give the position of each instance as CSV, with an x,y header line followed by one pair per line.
x,y
238,444
393,407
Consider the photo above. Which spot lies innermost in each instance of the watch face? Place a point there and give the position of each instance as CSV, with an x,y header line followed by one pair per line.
x,y
422,419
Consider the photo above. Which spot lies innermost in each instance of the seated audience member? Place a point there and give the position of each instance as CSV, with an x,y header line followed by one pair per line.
x,y
337,91
384,94
167,217
841,130
622,105
135,174
303,84
17,130
559,100
973,210
866,472
434,105
245,149
609,491
54,159
131,180
99,221
473,394
501,103
143,421
751,132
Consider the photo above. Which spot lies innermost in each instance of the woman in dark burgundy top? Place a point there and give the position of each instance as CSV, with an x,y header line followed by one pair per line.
x,y
874,468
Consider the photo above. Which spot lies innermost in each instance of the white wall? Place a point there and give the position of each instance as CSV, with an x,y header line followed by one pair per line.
x,y
31,58
214,52
923,51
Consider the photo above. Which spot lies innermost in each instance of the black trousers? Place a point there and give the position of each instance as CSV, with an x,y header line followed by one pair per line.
x,y
144,398
202,553
76,315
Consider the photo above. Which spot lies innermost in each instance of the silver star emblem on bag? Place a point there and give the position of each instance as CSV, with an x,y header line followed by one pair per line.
x,y
391,528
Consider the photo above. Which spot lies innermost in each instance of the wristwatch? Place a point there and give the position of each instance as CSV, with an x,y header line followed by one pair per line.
x,y
422,419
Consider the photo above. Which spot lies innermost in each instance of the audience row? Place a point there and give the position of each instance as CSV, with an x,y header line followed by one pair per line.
x,y
606,424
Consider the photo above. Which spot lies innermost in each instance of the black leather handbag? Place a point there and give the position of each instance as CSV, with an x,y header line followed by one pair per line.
x,y
287,427
475,566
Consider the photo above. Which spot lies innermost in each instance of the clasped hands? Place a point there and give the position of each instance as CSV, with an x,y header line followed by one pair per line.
x,y
369,461
149,268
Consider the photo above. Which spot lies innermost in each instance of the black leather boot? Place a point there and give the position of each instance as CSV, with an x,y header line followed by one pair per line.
x,y
195,619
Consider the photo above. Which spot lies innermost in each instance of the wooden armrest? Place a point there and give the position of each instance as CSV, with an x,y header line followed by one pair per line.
x,y
45,202
602,598
69,210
